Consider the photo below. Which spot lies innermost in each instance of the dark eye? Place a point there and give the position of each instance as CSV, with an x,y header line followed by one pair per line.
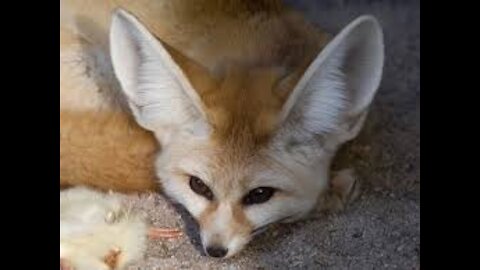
x,y
258,195
200,188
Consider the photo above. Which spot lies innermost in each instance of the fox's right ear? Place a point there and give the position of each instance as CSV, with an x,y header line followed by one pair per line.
x,y
335,93
159,94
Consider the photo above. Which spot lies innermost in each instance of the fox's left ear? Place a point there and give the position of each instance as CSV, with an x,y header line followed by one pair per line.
x,y
334,94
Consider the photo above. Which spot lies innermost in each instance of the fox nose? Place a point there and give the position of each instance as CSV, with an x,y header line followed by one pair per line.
x,y
216,251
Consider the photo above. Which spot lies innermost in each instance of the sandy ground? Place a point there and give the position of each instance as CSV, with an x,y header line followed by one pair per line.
x,y
381,229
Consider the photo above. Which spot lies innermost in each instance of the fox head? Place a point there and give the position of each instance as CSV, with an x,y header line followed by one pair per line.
x,y
242,152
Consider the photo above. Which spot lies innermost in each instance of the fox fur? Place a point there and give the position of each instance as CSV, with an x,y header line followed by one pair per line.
x,y
241,94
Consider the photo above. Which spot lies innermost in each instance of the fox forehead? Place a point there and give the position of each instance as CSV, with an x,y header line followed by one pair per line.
x,y
244,107
242,103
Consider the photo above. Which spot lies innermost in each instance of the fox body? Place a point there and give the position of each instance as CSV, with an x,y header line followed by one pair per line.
x,y
236,107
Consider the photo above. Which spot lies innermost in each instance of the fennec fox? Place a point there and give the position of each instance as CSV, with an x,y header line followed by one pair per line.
x,y
247,102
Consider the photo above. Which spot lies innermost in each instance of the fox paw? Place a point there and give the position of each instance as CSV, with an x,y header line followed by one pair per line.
x,y
344,188
345,185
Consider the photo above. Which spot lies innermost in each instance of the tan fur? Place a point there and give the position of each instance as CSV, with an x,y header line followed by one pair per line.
x,y
105,150
217,44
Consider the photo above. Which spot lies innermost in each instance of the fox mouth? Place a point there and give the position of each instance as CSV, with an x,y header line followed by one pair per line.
x,y
263,228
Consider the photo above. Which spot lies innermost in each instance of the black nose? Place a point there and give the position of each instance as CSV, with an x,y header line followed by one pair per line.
x,y
216,251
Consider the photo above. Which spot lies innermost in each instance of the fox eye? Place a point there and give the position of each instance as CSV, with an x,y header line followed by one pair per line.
x,y
197,185
259,195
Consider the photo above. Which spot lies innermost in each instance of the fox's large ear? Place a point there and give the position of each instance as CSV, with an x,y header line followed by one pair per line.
x,y
159,93
334,94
